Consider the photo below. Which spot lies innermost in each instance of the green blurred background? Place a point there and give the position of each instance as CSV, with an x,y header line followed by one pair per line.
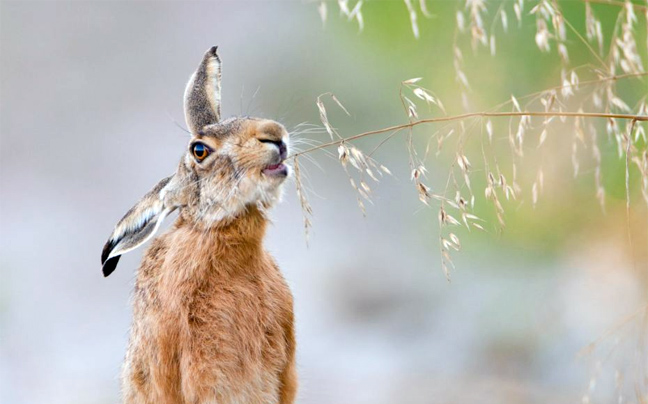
x,y
90,102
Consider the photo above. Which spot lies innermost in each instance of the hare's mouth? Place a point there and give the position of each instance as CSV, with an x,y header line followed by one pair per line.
x,y
276,170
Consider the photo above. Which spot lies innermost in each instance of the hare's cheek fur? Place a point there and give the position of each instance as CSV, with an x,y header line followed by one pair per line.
x,y
250,158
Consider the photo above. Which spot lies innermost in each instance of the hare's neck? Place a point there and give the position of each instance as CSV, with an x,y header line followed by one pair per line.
x,y
194,256
235,240
247,229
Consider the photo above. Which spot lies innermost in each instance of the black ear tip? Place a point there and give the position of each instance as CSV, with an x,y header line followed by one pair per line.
x,y
110,265
108,247
213,53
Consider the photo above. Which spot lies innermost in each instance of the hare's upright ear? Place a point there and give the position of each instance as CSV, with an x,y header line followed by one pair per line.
x,y
137,226
202,97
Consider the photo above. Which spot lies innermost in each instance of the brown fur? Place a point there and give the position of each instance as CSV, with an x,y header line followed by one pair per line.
x,y
213,320
213,316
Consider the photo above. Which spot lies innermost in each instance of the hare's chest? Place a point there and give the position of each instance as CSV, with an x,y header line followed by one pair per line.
x,y
226,336
241,320
236,335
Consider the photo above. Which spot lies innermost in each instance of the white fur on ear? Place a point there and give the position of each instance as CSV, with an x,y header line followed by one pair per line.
x,y
202,99
213,84
139,224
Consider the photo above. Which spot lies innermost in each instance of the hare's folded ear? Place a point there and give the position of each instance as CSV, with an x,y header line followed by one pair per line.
x,y
137,226
203,93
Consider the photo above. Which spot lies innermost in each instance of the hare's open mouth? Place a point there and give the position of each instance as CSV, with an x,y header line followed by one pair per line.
x,y
276,170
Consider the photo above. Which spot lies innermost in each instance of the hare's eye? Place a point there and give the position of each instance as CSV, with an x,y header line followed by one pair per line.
x,y
200,151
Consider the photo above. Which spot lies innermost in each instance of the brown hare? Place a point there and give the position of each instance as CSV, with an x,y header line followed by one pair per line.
x,y
212,316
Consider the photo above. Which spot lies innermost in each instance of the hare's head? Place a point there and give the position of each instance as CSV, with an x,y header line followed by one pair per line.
x,y
228,166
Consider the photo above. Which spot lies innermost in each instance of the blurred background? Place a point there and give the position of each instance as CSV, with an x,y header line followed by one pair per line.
x,y
91,117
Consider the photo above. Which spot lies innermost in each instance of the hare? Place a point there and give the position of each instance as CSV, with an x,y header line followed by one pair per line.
x,y
212,315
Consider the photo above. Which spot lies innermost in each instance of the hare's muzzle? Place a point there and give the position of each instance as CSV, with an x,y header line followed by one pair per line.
x,y
276,170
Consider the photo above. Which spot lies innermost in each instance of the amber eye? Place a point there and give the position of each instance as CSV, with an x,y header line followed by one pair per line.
x,y
200,151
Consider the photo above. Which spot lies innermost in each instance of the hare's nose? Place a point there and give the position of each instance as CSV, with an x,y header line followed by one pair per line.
x,y
283,150
281,145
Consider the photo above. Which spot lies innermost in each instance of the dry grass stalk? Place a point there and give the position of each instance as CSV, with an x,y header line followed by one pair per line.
x,y
303,200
